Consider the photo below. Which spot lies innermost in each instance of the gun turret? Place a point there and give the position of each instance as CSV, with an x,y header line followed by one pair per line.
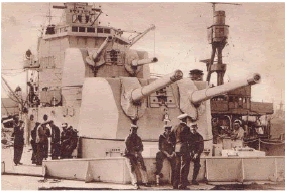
x,y
132,101
201,95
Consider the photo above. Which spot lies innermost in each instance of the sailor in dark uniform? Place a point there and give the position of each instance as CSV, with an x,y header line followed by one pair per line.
x,y
134,148
63,139
166,151
196,144
34,143
42,144
179,136
18,141
55,140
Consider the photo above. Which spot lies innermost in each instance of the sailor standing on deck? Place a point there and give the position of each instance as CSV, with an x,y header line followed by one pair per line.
x,y
18,142
34,143
179,136
134,148
196,146
42,151
64,142
55,140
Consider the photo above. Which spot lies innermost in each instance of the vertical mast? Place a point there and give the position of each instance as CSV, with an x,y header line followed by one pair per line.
x,y
218,38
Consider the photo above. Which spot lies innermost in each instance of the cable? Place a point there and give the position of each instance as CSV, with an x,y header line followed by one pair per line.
x,y
145,140
5,108
250,141
8,94
154,42
272,143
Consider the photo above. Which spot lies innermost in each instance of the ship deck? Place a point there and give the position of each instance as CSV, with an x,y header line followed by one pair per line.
x,y
17,176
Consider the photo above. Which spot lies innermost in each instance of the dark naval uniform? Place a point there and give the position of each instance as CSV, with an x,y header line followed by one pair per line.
x,y
55,141
179,136
34,143
18,143
133,150
165,145
42,146
196,145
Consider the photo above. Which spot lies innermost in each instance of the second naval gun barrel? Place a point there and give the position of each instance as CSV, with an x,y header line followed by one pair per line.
x,y
144,61
158,84
201,95
103,45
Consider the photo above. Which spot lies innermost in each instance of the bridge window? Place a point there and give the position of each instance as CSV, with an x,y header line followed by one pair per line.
x,y
231,99
89,29
100,30
74,29
107,31
81,29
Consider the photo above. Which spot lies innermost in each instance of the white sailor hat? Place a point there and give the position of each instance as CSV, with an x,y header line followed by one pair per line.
x,y
182,116
238,121
134,126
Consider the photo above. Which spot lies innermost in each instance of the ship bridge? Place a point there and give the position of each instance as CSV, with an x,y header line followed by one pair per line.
x,y
80,19
84,31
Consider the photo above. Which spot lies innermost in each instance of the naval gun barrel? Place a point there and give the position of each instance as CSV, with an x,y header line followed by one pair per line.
x,y
144,61
158,84
103,45
201,95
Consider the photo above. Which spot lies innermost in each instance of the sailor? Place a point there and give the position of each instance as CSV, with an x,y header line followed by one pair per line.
x,y
179,136
166,150
134,148
71,141
42,147
34,143
196,146
31,93
63,140
55,140
196,75
18,142
238,132
30,125
237,135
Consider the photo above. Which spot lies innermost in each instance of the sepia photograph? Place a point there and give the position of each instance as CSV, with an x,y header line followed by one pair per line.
x,y
142,95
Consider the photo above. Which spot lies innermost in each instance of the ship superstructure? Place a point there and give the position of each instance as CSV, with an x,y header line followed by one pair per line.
x,y
88,76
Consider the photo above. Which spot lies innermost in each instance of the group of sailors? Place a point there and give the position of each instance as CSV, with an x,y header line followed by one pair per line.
x,y
61,144
179,145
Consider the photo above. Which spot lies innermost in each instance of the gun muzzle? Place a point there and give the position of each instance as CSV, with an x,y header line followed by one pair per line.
x,y
144,61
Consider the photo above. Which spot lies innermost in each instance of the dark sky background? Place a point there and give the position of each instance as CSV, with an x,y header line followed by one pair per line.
x,y
256,40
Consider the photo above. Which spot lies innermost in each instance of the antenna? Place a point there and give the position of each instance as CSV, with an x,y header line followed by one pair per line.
x,y
49,16
281,104
214,4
